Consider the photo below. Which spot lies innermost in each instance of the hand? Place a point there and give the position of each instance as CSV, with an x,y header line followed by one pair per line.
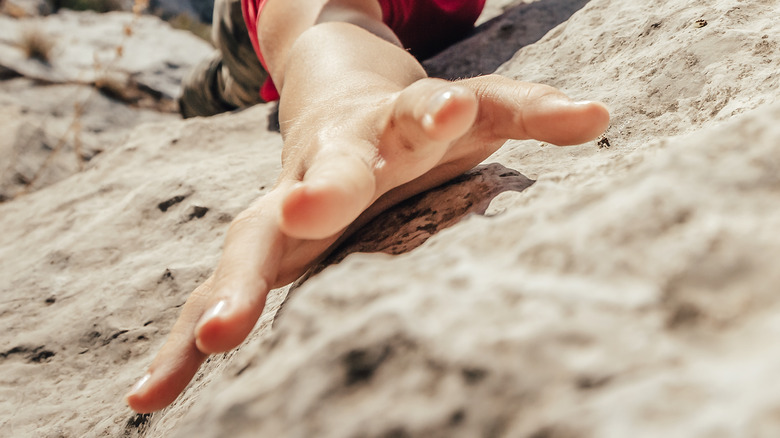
x,y
344,162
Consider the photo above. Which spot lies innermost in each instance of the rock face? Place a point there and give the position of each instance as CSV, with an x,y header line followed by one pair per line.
x,y
152,54
200,10
620,288
104,75
522,23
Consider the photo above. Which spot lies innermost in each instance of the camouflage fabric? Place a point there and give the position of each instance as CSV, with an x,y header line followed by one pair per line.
x,y
232,77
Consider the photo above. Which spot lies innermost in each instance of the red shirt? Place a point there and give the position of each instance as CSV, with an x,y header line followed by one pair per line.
x,y
423,26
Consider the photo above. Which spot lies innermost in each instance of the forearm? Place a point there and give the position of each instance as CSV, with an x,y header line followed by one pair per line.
x,y
330,38
332,60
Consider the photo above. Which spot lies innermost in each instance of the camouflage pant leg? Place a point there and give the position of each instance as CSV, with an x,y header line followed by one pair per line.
x,y
232,77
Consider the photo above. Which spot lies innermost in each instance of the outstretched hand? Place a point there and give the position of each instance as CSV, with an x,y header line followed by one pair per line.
x,y
343,162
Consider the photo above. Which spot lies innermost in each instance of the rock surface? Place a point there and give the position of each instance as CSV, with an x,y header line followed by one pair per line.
x,y
620,288
105,74
142,48
521,23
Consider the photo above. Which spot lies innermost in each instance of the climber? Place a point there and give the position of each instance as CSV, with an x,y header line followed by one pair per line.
x,y
363,128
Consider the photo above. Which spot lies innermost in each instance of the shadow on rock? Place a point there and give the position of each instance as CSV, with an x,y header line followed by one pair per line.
x,y
495,42
410,223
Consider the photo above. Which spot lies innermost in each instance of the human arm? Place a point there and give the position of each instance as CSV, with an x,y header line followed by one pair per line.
x,y
363,128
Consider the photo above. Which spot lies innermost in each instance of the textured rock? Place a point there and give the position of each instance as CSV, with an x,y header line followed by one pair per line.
x,y
607,299
59,114
616,291
522,23
53,131
152,54
627,307
68,336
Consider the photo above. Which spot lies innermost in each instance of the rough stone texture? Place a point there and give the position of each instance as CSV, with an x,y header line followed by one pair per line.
x,y
497,39
589,291
59,114
51,132
73,344
153,55
200,10
642,304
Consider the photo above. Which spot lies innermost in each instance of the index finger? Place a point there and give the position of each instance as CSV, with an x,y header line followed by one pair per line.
x,y
246,272
221,312
177,361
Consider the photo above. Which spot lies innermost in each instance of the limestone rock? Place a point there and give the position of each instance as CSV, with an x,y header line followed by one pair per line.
x,y
105,74
624,307
142,48
616,296
67,335
619,288
53,131
496,40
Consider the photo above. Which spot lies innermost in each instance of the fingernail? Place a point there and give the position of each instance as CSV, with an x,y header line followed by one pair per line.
x,y
583,102
139,384
435,105
215,311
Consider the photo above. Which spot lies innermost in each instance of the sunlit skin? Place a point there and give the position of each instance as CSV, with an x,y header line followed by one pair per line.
x,y
363,129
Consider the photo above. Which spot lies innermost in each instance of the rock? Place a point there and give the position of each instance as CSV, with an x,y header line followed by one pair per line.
x,y
86,227
497,39
625,287
62,112
142,48
53,131
623,307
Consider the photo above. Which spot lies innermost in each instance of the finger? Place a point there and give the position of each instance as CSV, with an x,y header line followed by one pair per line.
x,y
521,110
246,272
347,177
427,116
176,362
334,191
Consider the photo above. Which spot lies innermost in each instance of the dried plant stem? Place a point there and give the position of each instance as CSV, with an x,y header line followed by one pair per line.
x,y
101,72
73,127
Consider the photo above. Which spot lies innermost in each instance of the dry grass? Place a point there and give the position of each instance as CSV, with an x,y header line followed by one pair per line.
x,y
36,44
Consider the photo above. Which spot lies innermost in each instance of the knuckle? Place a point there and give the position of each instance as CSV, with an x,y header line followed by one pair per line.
x,y
244,220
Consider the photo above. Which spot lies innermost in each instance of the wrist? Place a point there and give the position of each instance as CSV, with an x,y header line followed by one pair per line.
x,y
336,50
